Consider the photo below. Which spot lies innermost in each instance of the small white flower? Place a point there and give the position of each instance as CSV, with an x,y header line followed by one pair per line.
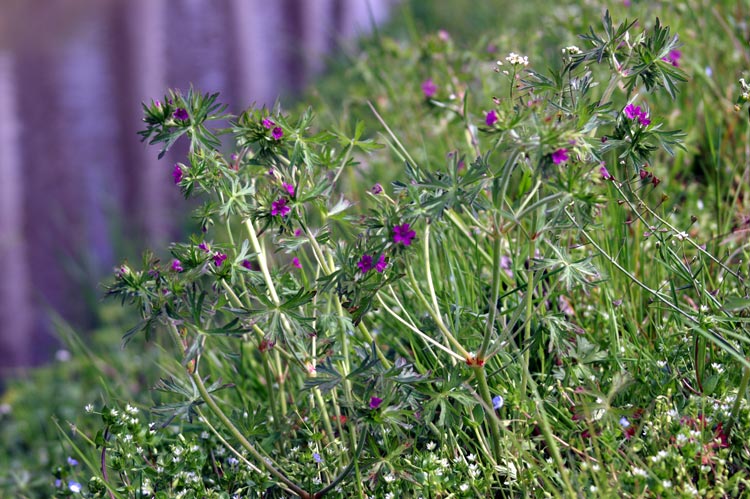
x,y
517,60
572,50
666,484
463,487
639,472
470,457
593,489
390,495
89,408
389,478
595,468
661,363
431,445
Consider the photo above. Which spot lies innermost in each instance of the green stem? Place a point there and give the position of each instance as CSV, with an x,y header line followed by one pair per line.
x,y
549,436
209,400
435,314
527,329
484,391
496,263
419,333
347,470
738,401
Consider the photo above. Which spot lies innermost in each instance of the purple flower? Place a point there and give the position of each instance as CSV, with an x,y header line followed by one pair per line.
x,y
277,133
268,123
624,422
491,118
181,114
375,402
403,234
644,120
203,246
632,111
381,264
317,457
365,264
247,264
560,156
74,487
177,265
295,262
219,258
177,173
429,88
673,58
376,189
605,173
298,233
279,207
497,402
72,461
289,188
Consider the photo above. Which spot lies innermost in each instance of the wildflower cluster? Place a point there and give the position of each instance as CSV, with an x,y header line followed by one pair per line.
x,y
402,349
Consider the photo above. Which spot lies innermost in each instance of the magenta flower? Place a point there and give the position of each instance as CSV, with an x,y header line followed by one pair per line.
x,y
365,264
181,114
296,263
375,402
429,88
403,234
632,111
560,156
268,123
673,58
289,188
605,173
203,246
635,112
279,207
177,265
376,189
298,233
491,118
177,173
277,133
247,264
219,258
381,264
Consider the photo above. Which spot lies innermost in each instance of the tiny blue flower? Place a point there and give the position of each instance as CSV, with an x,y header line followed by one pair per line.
x,y
497,402
317,457
72,461
624,422
74,487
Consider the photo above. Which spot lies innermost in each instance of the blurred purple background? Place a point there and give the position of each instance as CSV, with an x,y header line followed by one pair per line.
x,y
78,191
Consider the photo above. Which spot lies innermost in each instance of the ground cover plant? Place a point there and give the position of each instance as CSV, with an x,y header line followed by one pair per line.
x,y
534,288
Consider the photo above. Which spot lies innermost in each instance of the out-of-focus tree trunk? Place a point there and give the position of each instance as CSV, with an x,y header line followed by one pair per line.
x,y
78,191
15,310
